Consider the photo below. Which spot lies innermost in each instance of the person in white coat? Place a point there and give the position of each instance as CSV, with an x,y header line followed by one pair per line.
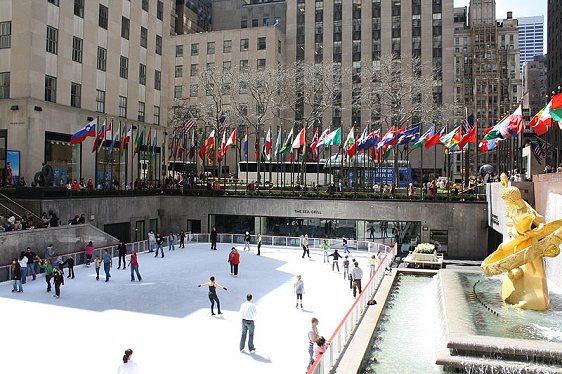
x,y
128,366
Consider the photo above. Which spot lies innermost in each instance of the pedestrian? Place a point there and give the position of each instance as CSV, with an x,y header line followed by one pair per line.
x,y
171,242
299,290
230,255
58,277
335,262
97,264
357,274
214,239
48,268
70,263
182,239
235,262
345,267
312,336
259,244
213,298
128,366
373,265
345,249
350,276
23,267
31,258
247,238
89,252
248,311
16,276
304,243
159,243
325,246
106,258
151,241
122,248
134,265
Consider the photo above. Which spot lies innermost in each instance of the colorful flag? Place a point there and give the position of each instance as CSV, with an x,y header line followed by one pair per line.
x,y
469,137
426,135
149,139
115,140
542,121
185,127
257,147
447,140
278,142
515,126
467,124
201,145
171,147
333,138
385,138
409,136
488,144
349,146
300,139
539,149
222,148
154,142
435,139
287,145
245,145
267,145
556,108
139,141
122,138
314,145
88,130
100,137
322,138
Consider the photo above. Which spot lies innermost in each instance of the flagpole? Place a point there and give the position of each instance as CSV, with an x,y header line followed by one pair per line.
x,y
421,169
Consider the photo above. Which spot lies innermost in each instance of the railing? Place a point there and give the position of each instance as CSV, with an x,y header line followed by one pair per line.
x,y
17,205
341,336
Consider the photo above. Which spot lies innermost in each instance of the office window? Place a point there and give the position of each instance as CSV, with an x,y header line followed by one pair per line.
x,y
50,88
140,116
143,37
77,49
144,5
5,34
55,2
157,80
160,10
75,94
244,64
142,74
193,90
103,16
255,22
210,66
125,27
210,48
226,65
79,8
193,70
122,107
279,46
244,44
4,85
52,40
227,46
177,92
261,63
179,71
244,23
100,101
261,44
102,59
195,49
124,67
266,21
158,45
156,115
179,50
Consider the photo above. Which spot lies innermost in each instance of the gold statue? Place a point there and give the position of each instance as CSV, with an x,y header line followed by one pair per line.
x,y
521,254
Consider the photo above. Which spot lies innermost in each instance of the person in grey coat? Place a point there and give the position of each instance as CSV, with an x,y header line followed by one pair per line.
x,y
299,290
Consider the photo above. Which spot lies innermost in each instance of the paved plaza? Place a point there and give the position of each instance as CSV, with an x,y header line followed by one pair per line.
x,y
166,318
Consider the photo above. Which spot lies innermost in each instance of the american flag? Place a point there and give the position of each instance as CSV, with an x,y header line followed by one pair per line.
x,y
539,149
185,127
467,124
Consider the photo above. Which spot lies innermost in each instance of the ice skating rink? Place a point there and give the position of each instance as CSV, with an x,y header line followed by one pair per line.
x,y
166,318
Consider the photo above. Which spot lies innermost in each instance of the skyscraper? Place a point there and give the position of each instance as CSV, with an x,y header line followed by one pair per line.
x,y
531,38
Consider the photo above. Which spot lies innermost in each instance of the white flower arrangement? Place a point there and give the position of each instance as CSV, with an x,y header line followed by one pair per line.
x,y
425,248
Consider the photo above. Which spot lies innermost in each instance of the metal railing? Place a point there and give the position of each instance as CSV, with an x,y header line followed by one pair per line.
x,y
343,333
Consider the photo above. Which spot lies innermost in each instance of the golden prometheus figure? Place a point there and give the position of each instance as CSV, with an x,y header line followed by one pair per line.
x,y
521,254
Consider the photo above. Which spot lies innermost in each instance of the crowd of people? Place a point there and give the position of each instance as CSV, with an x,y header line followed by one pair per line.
x,y
27,221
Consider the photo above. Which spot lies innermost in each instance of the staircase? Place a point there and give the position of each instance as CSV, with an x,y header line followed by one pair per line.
x,y
15,209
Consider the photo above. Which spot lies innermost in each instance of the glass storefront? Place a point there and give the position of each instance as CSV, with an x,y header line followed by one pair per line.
x,y
64,158
149,165
111,167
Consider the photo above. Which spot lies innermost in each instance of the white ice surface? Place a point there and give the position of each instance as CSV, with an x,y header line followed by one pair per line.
x,y
166,318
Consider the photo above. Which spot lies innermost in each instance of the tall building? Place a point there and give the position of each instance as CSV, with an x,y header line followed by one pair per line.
x,y
487,79
534,85
531,38
63,64
192,16
554,46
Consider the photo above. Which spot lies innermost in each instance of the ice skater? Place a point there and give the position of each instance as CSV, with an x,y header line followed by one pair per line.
x,y
134,265
151,241
312,336
122,248
97,265
128,366
299,290
214,236
182,239
305,250
325,246
344,243
247,238
259,244
48,268
171,242
70,263
106,258
345,267
248,312
235,261
230,256
58,277
16,276
159,245
357,274
373,265
213,298
89,252
335,262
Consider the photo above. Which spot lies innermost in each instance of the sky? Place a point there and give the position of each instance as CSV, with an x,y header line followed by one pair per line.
x,y
520,8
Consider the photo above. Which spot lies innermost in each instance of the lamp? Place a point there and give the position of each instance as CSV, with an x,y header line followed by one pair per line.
x,y
14,107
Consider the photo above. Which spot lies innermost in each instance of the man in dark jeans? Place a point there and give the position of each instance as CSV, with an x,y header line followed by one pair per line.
x,y
122,248
214,239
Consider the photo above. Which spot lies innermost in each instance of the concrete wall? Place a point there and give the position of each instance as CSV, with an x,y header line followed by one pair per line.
x,y
65,239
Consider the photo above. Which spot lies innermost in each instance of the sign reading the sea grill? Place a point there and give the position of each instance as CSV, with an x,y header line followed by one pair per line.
x,y
308,211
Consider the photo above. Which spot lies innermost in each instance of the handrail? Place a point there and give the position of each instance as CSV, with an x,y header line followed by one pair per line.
x,y
19,206
9,210
343,332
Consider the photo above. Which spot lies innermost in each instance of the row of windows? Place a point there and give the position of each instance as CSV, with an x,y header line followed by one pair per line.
x,y
266,21
103,13
76,97
261,45
226,66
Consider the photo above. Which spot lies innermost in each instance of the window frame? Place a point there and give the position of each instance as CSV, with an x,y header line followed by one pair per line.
x,y
101,59
103,16
77,49
75,95
142,74
52,40
50,90
123,67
